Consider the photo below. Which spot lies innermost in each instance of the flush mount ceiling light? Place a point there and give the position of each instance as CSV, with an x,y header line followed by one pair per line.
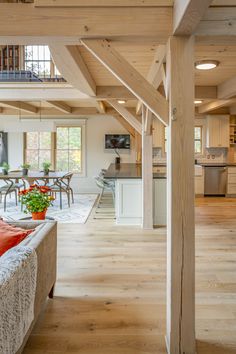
x,y
206,64
198,101
121,101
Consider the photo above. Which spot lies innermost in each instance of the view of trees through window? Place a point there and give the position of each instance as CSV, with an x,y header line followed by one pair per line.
x,y
38,60
38,149
64,152
198,140
68,149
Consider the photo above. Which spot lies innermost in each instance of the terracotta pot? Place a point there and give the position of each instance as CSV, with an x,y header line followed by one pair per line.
x,y
41,215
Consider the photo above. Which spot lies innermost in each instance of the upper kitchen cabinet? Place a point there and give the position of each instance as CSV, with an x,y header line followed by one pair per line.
x,y
158,134
217,131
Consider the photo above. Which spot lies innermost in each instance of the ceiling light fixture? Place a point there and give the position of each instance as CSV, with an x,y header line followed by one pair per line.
x,y
121,101
206,64
198,101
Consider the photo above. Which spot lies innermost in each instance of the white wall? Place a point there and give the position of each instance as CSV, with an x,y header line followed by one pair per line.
x,y
96,156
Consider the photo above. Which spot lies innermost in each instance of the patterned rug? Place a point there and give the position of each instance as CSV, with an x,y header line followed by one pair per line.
x,y
78,212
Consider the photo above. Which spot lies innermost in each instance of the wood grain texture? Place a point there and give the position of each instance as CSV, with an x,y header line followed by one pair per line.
x,y
73,68
187,15
147,170
110,291
102,3
128,76
127,115
180,192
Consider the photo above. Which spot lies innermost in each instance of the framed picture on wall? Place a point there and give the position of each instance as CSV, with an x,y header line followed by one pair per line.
x,y
3,148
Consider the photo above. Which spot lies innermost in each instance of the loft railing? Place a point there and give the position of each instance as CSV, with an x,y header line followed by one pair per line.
x,y
27,64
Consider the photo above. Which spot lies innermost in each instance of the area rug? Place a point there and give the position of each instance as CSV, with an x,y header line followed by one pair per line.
x,y
78,213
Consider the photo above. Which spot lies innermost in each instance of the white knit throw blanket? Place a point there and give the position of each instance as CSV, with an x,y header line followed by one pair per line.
x,y
18,273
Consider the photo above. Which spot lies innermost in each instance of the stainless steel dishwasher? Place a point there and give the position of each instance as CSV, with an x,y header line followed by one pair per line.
x,y
215,180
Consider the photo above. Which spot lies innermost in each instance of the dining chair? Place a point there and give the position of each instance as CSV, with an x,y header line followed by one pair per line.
x,y
63,185
7,189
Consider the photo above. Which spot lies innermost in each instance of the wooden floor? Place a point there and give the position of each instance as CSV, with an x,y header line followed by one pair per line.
x,y
110,294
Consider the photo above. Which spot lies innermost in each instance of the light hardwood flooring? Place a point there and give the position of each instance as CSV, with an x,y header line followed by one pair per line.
x,y
110,293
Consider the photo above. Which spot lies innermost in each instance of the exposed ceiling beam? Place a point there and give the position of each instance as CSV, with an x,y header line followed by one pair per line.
x,y
218,21
100,106
129,77
73,68
121,120
154,75
205,92
52,23
127,115
46,111
187,14
113,92
211,106
20,106
62,106
103,3
227,89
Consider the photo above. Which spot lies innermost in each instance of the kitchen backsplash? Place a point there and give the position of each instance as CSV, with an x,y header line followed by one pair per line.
x,y
214,155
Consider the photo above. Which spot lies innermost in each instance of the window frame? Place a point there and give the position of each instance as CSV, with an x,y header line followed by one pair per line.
x,y
81,125
53,70
52,145
83,152
201,139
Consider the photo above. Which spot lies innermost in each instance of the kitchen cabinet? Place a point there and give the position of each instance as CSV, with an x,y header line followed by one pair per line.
x,y
217,131
158,130
199,180
231,183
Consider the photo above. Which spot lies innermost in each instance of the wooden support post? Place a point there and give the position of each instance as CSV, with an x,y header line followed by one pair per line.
x,y
138,147
180,193
147,174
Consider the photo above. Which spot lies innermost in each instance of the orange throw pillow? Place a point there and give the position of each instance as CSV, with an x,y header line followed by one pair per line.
x,y
11,236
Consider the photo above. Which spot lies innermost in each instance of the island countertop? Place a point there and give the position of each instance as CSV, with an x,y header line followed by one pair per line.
x,y
128,171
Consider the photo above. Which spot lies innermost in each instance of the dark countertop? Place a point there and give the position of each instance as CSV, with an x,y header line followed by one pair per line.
x,y
128,171
217,164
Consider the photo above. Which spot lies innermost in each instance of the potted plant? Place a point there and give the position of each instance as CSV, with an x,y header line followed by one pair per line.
x,y
46,166
25,169
5,168
36,200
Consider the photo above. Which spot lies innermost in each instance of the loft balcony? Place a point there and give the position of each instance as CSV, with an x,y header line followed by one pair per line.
x,y
27,64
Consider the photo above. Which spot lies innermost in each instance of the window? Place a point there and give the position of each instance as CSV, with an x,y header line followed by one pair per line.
x,y
68,149
38,60
38,149
198,140
62,149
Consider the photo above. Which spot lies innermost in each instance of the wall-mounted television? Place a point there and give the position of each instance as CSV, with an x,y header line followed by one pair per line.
x,y
117,141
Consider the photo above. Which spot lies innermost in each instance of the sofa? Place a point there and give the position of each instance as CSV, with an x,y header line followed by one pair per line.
x,y
44,241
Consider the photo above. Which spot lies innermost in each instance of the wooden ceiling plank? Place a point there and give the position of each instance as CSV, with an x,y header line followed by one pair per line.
x,y
205,92
103,3
227,89
218,21
73,68
187,14
129,77
62,106
23,106
211,106
127,115
154,76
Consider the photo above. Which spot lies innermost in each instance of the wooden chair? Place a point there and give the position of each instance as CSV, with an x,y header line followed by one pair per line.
x,y
62,185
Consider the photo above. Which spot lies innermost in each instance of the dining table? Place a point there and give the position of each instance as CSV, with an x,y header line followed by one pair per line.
x,y
32,177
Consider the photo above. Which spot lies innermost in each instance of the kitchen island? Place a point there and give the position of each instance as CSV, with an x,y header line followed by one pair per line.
x,y
128,194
